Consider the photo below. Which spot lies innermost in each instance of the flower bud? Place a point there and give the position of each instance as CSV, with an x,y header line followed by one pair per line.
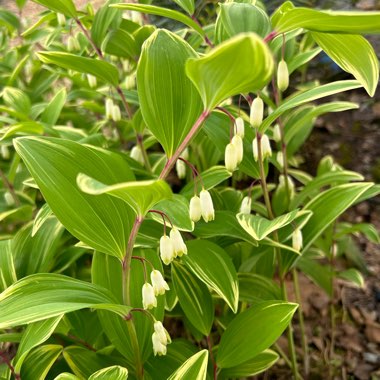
x,y
61,19
185,154
257,112
282,185
91,79
158,348
245,207
158,282
276,133
297,239
166,250
180,168
4,152
265,146
9,200
109,108
137,155
230,157
255,149
280,159
207,206
239,122
282,76
237,141
149,300
116,114
162,333
179,245
195,209
72,44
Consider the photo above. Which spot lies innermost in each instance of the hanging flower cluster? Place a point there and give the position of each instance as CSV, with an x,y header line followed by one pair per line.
x,y
112,110
151,291
160,339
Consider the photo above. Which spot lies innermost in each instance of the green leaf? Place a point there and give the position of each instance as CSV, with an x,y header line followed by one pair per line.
x,y
259,227
169,102
140,196
186,5
228,69
353,54
66,7
235,18
226,225
104,18
169,13
194,298
194,368
327,21
23,213
17,100
7,268
327,206
115,373
265,289
253,331
54,108
101,222
301,58
101,69
214,267
177,208
252,367
66,376
161,367
35,334
211,177
39,362
326,179
9,19
367,229
41,296
308,96
122,44
84,362
319,274
354,276
42,216
23,128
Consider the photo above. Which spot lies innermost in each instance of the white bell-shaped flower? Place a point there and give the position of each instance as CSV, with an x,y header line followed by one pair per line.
x,y
239,123
178,243
109,108
8,198
246,204
180,168
158,348
162,333
237,141
158,282
137,154
297,241
282,76
116,114
207,207
61,19
257,112
276,133
91,79
280,159
72,44
195,209
230,157
166,250
149,299
265,146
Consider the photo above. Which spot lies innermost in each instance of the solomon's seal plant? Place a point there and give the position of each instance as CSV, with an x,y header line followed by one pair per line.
x,y
152,175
